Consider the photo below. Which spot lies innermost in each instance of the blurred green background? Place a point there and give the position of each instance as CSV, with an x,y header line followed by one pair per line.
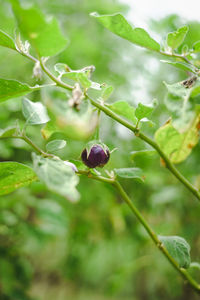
x,y
95,249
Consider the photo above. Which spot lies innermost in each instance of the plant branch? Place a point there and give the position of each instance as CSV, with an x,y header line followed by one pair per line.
x,y
48,73
146,226
115,183
155,238
176,56
55,79
125,123
27,55
133,208
149,141
34,146
97,134
96,177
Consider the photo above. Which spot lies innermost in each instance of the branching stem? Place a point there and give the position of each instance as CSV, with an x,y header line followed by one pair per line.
x,y
133,208
175,55
113,181
134,129
33,145
149,141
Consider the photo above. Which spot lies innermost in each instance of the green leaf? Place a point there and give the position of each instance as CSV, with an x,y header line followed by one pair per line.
x,y
178,248
185,50
195,91
11,89
55,145
169,140
118,24
45,36
177,89
6,40
195,265
106,92
143,111
176,38
193,34
82,76
143,153
57,176
178,146
14,175
79,164
10,131
196,47
84,80
181,65
34,112
135,173
124,109
49,129
62,68
177,102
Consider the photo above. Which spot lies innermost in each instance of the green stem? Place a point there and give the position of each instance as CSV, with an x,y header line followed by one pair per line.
x,y
117,185
176,56
98,124
55,79
125,123
49,74
30,57
99,178
34,146
155,238
146,226
170,166
149,141
136,213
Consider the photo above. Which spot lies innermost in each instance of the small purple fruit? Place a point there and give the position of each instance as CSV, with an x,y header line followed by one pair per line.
x,y
97,157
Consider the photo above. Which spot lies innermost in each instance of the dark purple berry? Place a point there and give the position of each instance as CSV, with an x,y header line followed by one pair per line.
x,y
98,156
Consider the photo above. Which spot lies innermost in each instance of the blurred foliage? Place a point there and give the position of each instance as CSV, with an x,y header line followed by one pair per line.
x,y
95,249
